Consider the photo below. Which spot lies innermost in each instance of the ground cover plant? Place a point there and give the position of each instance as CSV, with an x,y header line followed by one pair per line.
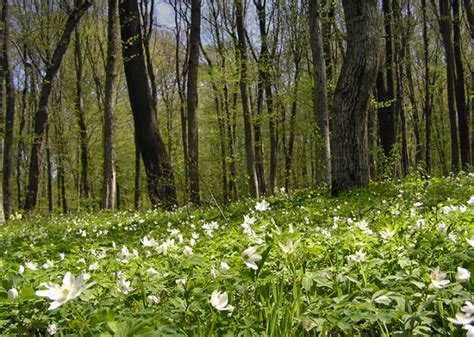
x,y
393,259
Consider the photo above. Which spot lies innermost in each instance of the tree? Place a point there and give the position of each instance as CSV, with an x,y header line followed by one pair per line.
x,y
349,143
248,126
446,34
321,114
161,188
459,88
81,117
385,86
9,116
110,174
192,101
41,116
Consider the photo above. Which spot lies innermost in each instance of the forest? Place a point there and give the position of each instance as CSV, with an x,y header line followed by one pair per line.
x,y
236,167
176,102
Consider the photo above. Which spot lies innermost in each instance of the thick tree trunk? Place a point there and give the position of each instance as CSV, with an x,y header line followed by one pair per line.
x,y
385,86
192,102
111,74
249,138
459,89
320,101
161,188
399,59
41,116
81,118
445,29
9,116
349,145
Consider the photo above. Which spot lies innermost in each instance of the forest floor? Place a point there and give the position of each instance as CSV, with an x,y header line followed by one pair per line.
x,y
392,259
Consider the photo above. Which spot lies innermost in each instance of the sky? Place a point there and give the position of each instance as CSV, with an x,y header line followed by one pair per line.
x,y
165,14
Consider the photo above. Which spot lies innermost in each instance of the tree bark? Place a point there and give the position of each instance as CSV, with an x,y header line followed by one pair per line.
x,y
249,138
385,86
427,108
446,33
110,173
321,114
192,102
349,145
41,116
81,118
459,88
161,188
9,116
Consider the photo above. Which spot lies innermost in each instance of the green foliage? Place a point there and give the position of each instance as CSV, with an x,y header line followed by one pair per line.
x,y
356,265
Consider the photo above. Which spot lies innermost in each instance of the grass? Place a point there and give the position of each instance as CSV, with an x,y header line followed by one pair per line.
x,y
359,265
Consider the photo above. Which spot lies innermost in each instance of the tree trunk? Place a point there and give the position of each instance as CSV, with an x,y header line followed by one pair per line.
x,y
110,173
459,89
9,116
385,86
41,116
320,101
349,145
399,57
81,118
192,102
161,188
49,170
137,192
427,96
445,29
249,140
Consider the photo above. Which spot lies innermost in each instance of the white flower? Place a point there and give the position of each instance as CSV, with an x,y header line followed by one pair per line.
x,y
94,266
470,241
470,202
468,308
181,282
61,256
383,299
470,330
262,206
21,269
51,329
220,300
441,227
31,265
224,266
387,234
438,279
13,294
70,289
418,204
124,286
248,221
359,256
48,264
153,299
188,251
453,237
462,274
461,319
250,256
123,255
419,223
213,272
290,247
152,271
148,243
